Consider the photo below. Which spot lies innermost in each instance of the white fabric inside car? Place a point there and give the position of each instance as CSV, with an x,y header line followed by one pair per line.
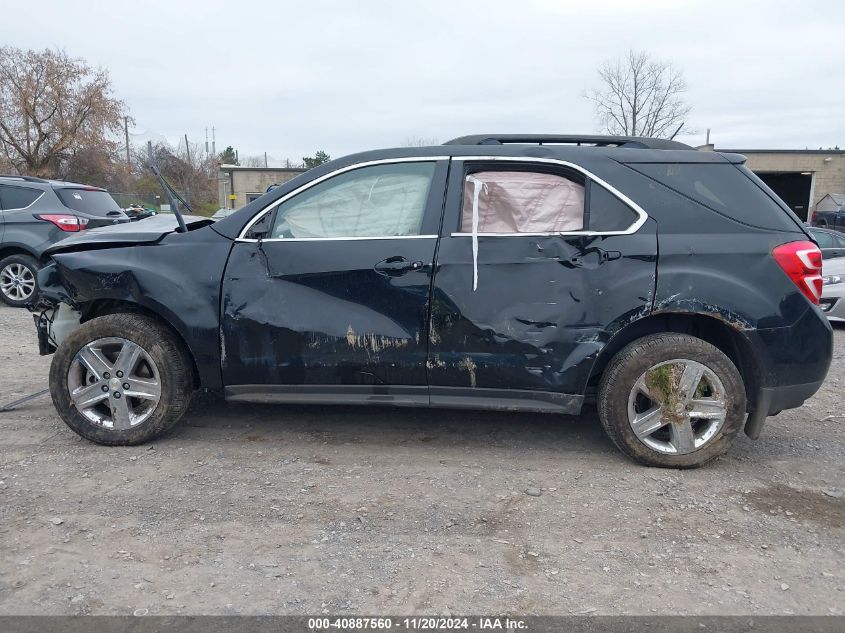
x,y
371,202
523,202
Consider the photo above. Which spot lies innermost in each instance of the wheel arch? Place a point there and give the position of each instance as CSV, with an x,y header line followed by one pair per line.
x,y
722,335
102,307
9,250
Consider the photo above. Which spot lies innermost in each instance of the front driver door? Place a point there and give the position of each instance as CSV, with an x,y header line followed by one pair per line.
x,y
330,303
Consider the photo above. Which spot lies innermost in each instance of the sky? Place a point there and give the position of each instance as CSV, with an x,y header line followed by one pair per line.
x,y
289,78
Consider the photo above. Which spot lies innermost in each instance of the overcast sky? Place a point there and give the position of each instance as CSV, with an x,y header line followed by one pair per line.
x,y
289,78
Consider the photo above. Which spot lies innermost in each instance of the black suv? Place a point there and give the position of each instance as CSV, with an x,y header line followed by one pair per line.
x,y
669,286
35,214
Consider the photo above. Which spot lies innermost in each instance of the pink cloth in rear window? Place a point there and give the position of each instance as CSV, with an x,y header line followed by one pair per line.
x,y
524,202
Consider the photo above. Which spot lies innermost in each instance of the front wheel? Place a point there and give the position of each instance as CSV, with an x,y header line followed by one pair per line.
x,y
671,400
121,379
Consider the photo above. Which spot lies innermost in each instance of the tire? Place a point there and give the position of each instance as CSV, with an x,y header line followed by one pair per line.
x,y
84,363
647,382
18,280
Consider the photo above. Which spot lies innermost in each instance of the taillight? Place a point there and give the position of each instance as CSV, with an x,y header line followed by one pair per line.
x,y
66,222
813,217
802,261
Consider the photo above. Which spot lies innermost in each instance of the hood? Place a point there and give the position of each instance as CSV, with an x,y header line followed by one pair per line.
x,y
144,231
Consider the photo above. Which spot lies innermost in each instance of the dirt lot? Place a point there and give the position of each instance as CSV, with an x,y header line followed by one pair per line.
x,y
295,510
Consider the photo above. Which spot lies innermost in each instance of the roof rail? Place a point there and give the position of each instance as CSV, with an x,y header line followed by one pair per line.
x,y
634,142
26,178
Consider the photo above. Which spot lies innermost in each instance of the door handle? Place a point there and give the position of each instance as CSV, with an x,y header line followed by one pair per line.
x,y
603,256
395,266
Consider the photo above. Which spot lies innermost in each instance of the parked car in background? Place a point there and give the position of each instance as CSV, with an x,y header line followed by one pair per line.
x,y
222,212
833,290
504,272
830,212
137,212
831,243
35,214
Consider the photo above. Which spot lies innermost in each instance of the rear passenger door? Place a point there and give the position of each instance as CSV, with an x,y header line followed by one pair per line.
x,y
538,264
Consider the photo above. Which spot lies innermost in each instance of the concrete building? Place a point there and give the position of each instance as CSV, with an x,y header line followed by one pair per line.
x,y
238,186
801,177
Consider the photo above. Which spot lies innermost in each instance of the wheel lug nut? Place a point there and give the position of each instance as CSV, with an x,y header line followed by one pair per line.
x,y
105,388
120,374
106,375
117,394
126,385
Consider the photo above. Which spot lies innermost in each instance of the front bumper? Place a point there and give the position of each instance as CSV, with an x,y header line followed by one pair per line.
x,y
53,326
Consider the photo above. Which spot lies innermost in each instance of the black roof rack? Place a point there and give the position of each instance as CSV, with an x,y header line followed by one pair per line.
x,y
634,142
26,178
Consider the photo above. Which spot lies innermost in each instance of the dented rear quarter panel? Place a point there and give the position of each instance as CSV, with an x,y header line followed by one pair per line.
x,y
713,265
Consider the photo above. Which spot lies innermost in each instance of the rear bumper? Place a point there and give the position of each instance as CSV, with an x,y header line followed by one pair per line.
x,y
793,364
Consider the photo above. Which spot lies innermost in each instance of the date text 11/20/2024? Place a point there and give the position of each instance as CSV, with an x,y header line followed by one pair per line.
x,y
417,623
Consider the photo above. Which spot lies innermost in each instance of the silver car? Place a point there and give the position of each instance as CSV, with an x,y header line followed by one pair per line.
x,y
833,290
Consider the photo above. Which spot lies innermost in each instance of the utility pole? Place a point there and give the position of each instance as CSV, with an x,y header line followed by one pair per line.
x,y
213,142
265,160
188,150
206,141
126,133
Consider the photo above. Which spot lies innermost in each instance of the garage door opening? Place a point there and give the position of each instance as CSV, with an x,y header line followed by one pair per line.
x,y
794,189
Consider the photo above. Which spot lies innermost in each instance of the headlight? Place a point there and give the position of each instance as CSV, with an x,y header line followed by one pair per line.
x,y
831,279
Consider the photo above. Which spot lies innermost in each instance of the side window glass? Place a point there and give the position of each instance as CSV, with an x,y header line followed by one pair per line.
x,y
17,197
607,212
378,201
522,202
824,240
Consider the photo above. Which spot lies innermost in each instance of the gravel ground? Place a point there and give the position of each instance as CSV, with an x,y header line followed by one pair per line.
x,y
248,509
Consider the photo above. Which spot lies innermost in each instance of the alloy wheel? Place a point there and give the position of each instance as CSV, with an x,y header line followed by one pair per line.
x,y
677,406
17,282
114,383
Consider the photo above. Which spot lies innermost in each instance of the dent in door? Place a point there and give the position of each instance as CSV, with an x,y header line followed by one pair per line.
x,y
544,308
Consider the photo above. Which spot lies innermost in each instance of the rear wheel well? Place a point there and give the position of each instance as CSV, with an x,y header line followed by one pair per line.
x,y
7,251
102,307
707,328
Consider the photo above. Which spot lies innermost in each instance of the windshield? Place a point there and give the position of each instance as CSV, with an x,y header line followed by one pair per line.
x,y
94,201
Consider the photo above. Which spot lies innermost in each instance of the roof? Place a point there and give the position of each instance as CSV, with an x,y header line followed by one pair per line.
x,y
838,198
598,140
32,180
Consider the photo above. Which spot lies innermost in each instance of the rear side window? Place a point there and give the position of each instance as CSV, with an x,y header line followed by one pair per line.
x,y
522,202
722,188
91,201
17,197
607,212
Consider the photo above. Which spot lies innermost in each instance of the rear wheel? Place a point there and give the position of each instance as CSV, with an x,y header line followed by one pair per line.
x,y
672,400
18,280
121,379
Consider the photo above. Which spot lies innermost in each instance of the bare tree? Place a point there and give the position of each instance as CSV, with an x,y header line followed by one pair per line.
x,y
640,96
252,161
419,141
53,106
187,168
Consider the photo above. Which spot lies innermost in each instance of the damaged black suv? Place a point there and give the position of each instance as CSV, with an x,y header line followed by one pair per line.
x,y
529,273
